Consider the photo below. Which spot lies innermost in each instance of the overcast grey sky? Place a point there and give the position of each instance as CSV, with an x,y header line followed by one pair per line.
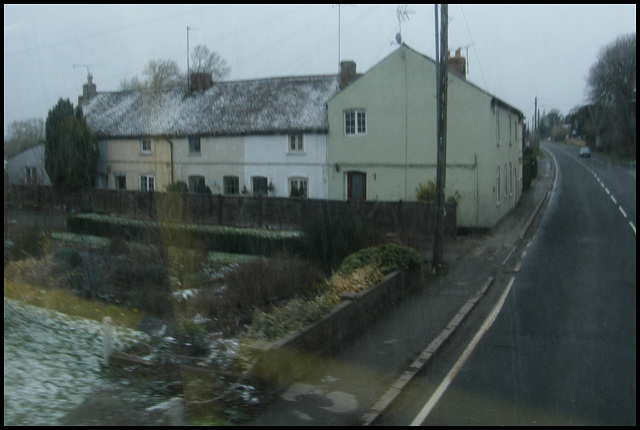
x,y
517,52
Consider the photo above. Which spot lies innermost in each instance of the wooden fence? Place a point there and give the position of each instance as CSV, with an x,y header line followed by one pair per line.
x,y
262,212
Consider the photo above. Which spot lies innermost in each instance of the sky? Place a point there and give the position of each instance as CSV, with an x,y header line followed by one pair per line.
x,y
514,52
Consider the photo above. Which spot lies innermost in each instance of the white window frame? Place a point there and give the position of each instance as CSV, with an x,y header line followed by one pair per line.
x,y
142,146
296,143
357,122
149,181
298,181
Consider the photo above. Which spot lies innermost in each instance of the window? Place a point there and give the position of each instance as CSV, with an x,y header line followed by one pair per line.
x,y
194,144
510,179
196,184
260,186
31,176
296,143
121,182
510,143
298,187
506,178
147,183
498,185
497,127
145,146
231,185
355,122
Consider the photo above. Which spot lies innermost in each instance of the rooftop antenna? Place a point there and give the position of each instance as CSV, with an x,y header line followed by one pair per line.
x,y
339,17
402,12
86,66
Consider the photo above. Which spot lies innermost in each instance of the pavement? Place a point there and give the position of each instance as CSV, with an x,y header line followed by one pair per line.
x,y
354,385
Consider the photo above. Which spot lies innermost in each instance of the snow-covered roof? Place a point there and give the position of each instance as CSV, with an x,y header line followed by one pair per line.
x,y
227,108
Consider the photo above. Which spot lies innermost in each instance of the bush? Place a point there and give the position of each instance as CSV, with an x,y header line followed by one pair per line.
x,y
388,258
426,193
69,258
355,281
263,282
288,318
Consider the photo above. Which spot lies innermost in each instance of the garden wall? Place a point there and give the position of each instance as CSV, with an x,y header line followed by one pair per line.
x,y
261,212
284,361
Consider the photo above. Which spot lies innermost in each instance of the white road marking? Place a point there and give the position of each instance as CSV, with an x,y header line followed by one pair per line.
x,y
431,403
614,199
622,211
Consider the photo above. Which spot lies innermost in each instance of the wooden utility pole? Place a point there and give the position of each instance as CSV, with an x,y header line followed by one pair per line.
x,y
441,76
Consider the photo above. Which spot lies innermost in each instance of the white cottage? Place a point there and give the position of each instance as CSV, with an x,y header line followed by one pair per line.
x,y
262,136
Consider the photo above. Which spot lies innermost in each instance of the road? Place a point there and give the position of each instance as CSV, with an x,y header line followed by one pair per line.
x,y
562,349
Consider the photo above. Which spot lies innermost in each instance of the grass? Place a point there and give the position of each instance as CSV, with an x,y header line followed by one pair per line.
x,y
70,304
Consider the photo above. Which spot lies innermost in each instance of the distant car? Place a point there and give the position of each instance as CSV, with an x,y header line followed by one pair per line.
x,y
585,151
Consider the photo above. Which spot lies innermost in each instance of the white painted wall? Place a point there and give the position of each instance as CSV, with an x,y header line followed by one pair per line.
x,y
269,156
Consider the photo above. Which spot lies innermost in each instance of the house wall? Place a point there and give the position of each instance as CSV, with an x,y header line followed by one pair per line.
x,y
32,158
219,157
269,156
398,151
125,157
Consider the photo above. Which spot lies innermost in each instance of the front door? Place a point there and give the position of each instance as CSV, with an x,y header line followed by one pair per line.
x,y
356,186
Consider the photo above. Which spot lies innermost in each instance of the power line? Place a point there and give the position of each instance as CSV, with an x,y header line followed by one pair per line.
x,y
474,50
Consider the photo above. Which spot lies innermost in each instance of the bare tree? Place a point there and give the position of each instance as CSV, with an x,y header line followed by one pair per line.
x,y
205,61
611,85
23,135
157,74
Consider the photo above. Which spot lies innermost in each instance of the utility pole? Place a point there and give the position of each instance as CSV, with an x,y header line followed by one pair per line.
x,y
441,76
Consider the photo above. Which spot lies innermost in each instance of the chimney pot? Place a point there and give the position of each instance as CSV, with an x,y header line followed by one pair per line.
x,y
201,81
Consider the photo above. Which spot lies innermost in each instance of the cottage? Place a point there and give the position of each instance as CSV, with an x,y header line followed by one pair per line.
x,y
27,167
262,136
382,139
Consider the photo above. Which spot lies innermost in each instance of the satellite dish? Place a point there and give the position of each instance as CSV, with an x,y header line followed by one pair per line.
x,y
399,38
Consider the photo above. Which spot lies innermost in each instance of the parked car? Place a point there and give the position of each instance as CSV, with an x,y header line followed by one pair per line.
x,y
585,151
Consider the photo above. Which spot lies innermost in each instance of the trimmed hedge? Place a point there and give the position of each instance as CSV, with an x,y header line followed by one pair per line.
x,y
213,238
388,258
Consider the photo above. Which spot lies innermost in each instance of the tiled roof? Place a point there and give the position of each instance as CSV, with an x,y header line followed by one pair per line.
x,y
227,108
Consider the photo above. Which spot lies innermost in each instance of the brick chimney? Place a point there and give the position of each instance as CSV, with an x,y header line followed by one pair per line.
x,y
347,73
88,90
457,64
201,81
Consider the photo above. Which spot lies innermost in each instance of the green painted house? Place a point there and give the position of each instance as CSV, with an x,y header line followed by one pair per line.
x,y
382,139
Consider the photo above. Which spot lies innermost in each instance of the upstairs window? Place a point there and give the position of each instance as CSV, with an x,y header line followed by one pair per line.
x,y
355,122
296,143
194,145
145,146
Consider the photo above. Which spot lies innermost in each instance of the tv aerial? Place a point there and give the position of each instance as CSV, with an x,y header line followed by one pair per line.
x,y
402,13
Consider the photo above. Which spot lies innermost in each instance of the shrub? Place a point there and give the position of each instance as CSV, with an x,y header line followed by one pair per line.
x,y
69,258
388,258
262,282
290,317
426,193
355,281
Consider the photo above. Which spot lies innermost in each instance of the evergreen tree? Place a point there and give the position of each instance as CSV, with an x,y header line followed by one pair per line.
x,y
71,151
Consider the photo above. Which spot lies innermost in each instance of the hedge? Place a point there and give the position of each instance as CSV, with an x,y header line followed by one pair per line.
x,y
213,238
